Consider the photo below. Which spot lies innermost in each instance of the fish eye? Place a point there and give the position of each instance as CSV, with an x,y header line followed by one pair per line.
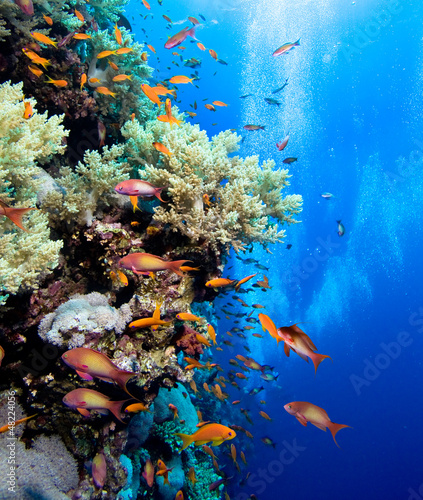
x,y
230,434
289,406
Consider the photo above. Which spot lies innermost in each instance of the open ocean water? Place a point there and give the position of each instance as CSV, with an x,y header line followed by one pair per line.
x,y
353,111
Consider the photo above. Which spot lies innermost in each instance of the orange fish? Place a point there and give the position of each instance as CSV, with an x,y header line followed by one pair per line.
x,y
161,148
113,65
191,476
213,54
219,103
136,408
121,78
192,384
144,56
118,34
243,457
148,473
14,214
90,364
181,79
8,427
35,58
149,92
201,46
148,322
209,451
210,107
220,282
179,495
188,317
105,91
34,70
212,333
307,412
123,50
189,268
267,324
236,402
300,343
43,39
79,15
191,113
2,355
160,90
174,410
105,53
28,110
151,48
206,387
240,375
122,278
84,400
94,80
244,280
144,263
81,36
57,83
202,340
99,470
48,20
214,433
233,452
163,471
146,4
83,80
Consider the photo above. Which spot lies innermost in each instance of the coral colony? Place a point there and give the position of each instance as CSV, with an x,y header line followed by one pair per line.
x,y
72,128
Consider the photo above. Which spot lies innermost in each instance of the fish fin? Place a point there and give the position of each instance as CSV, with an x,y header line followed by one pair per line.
x,y
322,427
84,412
85,376
176,264
334,428
317,359
116,407
15,215
301,419
186,440
218,442
200,443
122,378
157,194
286,349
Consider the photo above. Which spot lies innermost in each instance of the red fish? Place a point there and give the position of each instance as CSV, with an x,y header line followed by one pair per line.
x,y
84,400
282,145
137,187
99,470
26,6
145,263
180,37
148,473
307,412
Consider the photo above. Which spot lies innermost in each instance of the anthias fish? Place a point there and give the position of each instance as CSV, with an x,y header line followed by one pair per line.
x,y
145,263
180,37
286,47
137,187
306,412
214,433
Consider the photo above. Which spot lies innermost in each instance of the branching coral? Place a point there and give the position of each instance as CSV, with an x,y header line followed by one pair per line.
x,y
84,186
23,143
244,196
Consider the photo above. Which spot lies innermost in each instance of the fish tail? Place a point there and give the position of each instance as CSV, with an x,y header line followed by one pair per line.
x,y
15,215
191,33
339,221
186,440
122,378
297,42
175,266
116,408
317,359
158,192
334,428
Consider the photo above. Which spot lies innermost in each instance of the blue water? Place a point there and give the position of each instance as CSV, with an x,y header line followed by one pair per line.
x,y
353,110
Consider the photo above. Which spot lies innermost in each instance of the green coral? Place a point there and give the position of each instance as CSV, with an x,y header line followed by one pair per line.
x,y
245,197
24,144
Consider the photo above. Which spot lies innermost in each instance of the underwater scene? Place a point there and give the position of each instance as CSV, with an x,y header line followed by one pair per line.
x,y
211,249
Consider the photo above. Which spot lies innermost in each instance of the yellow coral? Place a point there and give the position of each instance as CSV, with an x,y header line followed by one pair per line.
x,y
244,195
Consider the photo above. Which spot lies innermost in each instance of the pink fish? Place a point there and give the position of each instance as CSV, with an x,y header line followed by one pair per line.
x,y
180,37
146,263
101,133
282,145
89,363
136,187
26,6
99,470
286,47
88,399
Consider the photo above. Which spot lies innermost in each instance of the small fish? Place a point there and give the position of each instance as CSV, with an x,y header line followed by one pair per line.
x,y
180,79
113,65
34,70
81,36
121,78
264,415
148,473
272,101
137,187
179,495
245,96
180,37
1,354
118,34
341,228
212,333
194,20
219,103
174,410
161,148
188,317
221,61
210,107
163,471
268,377
105,53
145,263
144,56
213,54
268,442
148,323
99,470
289,246
79,15
202,340
105,91
57,83
26,6
35,58
201,46
84,400
6,428
146,4
285,48
214,433
254,127
48,20
167,18
123,50
220,282
151,48
151,94
191,476
306,412
43,39
289,160
29,112
280,88
83,81
282,145
136,408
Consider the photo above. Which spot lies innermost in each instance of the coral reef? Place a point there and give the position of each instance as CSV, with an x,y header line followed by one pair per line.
x,y
243,196
24,144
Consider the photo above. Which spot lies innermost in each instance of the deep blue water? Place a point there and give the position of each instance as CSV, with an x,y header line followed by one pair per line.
x,y
353,111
